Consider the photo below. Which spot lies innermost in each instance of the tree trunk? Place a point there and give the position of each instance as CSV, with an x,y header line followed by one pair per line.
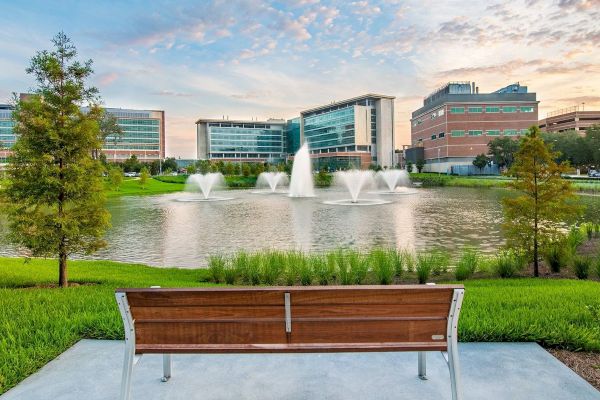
x,y
536,271
63,280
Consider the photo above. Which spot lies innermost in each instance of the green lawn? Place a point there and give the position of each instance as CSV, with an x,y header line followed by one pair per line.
x,y
131,186
37,323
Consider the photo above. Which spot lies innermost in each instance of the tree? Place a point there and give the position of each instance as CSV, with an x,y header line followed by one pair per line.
x,y
132,164
110,130
409,166
245,169
55,194
420,165
480,161
144,176
204,166
115,177
191,169
535,217
169,163
502,150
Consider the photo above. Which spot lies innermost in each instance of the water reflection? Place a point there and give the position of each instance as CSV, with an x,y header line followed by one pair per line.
x,y
160,231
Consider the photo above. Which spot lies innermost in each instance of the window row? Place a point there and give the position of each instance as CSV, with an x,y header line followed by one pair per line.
x,y
490,109
492,132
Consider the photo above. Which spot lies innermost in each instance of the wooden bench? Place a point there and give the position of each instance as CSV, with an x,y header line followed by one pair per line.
x,y
291,320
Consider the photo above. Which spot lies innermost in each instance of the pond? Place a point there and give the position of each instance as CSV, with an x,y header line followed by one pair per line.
x,y
162,231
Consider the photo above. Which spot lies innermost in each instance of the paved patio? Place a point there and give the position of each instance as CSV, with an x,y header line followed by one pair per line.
x,y
91,370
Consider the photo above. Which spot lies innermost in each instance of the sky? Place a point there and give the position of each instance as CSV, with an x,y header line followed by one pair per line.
x,y
262,59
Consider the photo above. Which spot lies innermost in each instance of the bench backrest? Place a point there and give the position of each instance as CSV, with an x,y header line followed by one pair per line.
x,y
343,318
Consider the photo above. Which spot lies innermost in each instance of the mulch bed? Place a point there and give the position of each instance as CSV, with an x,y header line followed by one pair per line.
x,y
585,364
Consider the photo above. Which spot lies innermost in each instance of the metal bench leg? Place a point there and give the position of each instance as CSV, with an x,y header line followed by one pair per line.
x,y
127,371
166,367
454,372
422,365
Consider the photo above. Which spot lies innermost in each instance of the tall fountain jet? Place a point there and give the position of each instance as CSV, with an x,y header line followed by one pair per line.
x,y
302,180
394,181
355,181
205,183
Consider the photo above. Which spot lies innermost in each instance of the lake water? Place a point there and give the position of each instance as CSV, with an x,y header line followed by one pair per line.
x,y
162,231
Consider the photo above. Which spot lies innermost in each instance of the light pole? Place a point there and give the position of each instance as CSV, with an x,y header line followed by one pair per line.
x,y
439,161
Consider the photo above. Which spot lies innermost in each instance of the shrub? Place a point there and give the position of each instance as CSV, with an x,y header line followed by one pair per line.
x,y
597,230
216,267
359,268
575,239
588,228
597,265
425,263
507,263
581,266
556,256
467,265
321,267
382,265
343,268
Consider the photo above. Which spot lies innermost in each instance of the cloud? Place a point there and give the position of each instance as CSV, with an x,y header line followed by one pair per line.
x,y
171,93
505,68
108,78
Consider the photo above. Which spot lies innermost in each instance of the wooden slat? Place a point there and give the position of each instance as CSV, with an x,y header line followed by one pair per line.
x,y
208,312
382,297
162,298
358,310
290,348
210,333
367,331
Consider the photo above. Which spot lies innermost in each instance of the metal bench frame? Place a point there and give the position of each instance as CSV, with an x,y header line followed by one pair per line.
x,y
450,356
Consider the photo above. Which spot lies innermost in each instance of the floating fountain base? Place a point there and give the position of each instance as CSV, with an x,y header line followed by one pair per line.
x,y
302,196
203,200
401,191
359,202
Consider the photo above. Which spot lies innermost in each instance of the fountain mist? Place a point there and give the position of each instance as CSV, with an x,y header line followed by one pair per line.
x,y
272,180
302,179
393,178
355,181
205,182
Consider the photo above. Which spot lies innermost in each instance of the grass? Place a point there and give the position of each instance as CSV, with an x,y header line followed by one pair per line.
x,y
132,187
38,322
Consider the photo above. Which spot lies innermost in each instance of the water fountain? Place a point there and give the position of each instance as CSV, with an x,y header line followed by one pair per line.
x,y
302,180
355,181
271,180
394,181
205,183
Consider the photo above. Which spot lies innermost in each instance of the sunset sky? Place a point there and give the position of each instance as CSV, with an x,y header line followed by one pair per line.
x,y
265,59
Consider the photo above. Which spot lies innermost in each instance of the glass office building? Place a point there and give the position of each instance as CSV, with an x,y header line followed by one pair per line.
x,y
293,135
239,140
352,133
7,136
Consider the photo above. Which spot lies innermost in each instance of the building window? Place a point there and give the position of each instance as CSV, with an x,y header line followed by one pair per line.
x,y
491,109
457,133
475,133
475,110
441,135
524,132
526,109
433,116
441,112
457,110
493,133
510,132
509,109
433,137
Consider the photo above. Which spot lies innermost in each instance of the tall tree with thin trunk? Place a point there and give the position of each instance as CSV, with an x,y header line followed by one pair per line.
x,y
545,201
55,191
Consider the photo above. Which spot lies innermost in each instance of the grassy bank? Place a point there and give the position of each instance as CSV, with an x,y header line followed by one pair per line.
x,y
433,180
132,187
39,322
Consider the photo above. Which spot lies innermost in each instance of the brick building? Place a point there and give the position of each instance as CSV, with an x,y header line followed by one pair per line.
x,y
456,122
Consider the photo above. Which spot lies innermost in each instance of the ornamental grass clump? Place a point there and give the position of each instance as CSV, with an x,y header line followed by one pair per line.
x,y
507,264
343,268
440,261
467,265
425,263
556,256
409,260
359,267
216,268
581,266
382,265
575,238
588,228
273,263
323,268
251,269
397,258
597,265
230,273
